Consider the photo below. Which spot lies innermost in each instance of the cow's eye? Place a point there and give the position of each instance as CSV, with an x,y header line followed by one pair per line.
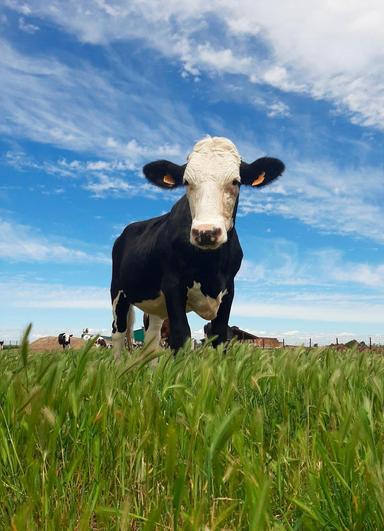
x,y
235,182
186,183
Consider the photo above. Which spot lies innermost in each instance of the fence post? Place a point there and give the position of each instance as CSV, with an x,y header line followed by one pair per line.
x,y
283,342
370,343
337,341
263,342
310,342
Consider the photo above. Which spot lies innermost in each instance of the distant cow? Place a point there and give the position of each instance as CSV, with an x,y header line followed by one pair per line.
x,y
187,259
86,334
64,340
101,343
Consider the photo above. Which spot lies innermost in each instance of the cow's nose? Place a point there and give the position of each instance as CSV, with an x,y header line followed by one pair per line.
x,y
206,237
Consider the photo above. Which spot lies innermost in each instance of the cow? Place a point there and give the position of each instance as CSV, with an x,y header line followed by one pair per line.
x,y
64,340
101,343
1,345
86,335
187,259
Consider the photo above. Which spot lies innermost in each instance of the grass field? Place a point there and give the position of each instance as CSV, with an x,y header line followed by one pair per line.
x,y
250,439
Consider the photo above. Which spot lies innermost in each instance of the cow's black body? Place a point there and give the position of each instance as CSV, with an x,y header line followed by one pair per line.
x,y
156,255
63,341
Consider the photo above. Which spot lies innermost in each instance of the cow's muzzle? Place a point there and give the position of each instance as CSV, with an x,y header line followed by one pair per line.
x,y
207,237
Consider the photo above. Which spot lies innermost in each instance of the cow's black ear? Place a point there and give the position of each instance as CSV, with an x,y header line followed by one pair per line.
x,y
261,172
164,173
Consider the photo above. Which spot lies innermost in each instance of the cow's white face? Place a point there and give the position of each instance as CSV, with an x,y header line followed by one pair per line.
x,y
212,180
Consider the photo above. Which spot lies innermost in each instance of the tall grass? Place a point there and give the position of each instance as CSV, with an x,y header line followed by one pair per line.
x,y
247,439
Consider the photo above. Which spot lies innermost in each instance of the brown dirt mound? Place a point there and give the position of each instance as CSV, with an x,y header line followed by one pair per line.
x,y
51,343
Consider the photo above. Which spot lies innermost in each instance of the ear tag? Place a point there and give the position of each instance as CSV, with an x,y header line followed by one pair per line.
x,y
259,180
169,180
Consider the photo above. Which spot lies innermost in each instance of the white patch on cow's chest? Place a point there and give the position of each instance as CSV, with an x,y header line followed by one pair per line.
x,y
154,306
205,306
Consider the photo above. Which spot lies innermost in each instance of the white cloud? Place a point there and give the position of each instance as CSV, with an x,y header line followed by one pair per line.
x,y
103,178
315,310
21,243
19,294
133,151
80,109
330,50
291,333
341,271
278,108
21,7
345,201
104,184
281,264
65,168
27,27
320,286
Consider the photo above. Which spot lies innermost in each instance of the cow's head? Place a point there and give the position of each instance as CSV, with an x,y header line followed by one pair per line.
x,y
212,177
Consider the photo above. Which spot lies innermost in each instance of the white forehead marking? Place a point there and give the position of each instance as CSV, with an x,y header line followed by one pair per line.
x,y
213,158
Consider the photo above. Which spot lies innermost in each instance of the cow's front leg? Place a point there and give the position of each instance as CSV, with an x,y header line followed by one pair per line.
x,y
176,298
219,326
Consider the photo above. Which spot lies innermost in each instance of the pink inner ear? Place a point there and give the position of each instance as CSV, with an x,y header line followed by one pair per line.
x,y
169,180
259,179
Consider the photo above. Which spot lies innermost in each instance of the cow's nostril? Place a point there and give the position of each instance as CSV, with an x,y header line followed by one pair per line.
x,y
206,237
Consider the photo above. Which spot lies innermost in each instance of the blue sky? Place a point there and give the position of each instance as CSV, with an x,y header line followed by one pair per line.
x,y
91,90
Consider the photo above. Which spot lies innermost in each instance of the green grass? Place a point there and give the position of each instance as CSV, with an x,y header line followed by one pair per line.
x,y
250,439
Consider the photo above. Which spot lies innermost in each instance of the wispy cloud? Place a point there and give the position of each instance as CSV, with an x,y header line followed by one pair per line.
x,y
79,108
329,51
22,294
27,27
284,265
20,243
313,310
346,201
102,185
278,109
322,286
103,178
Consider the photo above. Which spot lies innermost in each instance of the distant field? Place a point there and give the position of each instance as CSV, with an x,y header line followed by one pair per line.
x,y
254,439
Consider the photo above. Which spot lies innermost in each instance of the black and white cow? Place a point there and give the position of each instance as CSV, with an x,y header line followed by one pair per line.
x,y
101,343
64,339
187,259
